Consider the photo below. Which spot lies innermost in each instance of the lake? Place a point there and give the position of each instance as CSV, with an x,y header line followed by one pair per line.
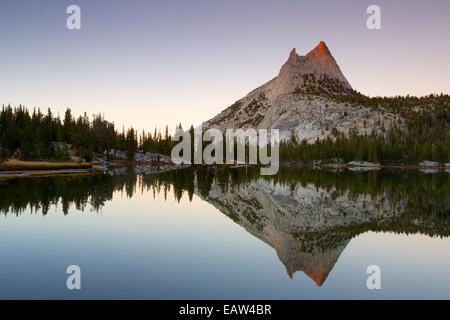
x,y
227,234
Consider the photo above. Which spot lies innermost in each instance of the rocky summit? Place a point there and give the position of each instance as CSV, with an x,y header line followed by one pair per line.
x,y
299,101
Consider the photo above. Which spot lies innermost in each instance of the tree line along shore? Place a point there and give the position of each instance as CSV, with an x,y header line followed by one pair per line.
x,y
32,140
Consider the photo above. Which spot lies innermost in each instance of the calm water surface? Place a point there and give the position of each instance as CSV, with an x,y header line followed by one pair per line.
x,y
227,234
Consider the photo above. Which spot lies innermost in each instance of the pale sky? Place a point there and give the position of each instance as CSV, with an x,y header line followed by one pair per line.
x,y
147,63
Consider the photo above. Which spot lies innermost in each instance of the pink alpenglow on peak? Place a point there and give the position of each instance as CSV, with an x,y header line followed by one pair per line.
x,y
299,101
322,48
318,62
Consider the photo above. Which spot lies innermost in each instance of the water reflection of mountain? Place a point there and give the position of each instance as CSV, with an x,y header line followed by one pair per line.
x,y
307,216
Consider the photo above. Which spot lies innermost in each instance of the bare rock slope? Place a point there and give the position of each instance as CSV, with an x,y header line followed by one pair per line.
x,y
298,101
302,224
309,226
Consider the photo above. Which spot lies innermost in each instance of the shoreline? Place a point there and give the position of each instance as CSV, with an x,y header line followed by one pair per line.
x,y
42,173
373,166
17,169
19,165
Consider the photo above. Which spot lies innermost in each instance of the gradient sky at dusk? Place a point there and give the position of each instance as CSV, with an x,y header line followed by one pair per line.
x,y
150,63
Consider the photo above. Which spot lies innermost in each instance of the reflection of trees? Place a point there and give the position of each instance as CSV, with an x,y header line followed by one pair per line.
x,y
309,216
17,195
423,199
399,201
